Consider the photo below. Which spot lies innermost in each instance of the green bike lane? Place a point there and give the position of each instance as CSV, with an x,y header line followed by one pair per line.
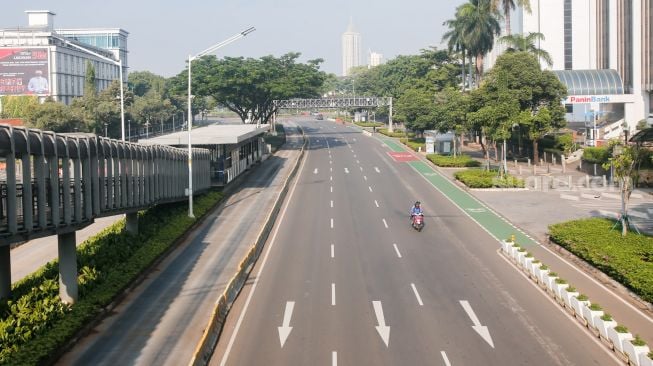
x,y
491,222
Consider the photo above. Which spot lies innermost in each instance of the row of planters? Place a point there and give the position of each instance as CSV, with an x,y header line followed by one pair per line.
x,y
35,325
479,178
632,350
369,124
396,133
415,143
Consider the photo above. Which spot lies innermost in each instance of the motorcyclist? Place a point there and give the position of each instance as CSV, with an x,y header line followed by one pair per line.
x,y
415,210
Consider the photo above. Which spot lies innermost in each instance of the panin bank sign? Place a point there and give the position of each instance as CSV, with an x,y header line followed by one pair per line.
x,y
587,99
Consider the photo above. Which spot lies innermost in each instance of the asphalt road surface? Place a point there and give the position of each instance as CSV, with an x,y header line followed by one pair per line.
x,y
345,279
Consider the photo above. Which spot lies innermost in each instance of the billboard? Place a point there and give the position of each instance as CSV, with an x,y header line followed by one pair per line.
x,y
24,71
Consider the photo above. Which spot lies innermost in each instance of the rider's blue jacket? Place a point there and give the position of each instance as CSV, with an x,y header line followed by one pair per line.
x,y
415,210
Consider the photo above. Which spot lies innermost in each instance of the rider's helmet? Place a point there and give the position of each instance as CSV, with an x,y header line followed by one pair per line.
x,y
417,203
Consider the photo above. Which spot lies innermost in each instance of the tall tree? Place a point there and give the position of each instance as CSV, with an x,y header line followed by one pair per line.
x,y
90,89
479,26
416,108
506,6
456,42
521,43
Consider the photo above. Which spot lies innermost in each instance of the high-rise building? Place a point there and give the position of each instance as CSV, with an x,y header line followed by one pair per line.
x,y
376,59
351,49
43,61
599,47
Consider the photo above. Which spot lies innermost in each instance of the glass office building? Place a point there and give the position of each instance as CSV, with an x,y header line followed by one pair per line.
x,y
46,62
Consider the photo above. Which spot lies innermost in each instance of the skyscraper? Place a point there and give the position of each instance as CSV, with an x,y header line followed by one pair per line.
x,y
351,49
376,59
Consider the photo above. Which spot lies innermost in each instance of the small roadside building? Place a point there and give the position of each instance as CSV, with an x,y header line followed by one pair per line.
x,y
439,143
234,148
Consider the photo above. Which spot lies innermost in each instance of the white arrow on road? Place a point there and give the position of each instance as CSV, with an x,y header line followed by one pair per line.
x,y
377,170
285,328
315,171
480,329
384,330
346,170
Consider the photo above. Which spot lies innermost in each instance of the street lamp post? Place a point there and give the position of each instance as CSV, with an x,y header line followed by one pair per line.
x,y
190,108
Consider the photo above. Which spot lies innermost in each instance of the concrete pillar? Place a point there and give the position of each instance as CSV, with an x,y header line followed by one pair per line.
x,y
67,267
569,181
131,222
5,272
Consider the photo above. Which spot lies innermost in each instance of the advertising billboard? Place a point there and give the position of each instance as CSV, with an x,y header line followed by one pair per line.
x,y
24,71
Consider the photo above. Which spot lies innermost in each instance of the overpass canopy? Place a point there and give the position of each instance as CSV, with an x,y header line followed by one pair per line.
x,y
210,135
591,82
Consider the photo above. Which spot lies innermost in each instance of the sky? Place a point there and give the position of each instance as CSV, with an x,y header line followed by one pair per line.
x,y
163,33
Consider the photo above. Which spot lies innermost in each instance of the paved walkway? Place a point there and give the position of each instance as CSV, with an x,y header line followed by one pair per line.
x,y
527,214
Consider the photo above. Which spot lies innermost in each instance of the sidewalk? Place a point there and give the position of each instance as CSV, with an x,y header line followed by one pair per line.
x,y
533,211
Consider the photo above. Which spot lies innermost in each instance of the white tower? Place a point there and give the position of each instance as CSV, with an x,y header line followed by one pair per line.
x,y
351,49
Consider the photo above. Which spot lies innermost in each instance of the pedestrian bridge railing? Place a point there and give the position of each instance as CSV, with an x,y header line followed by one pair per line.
x,y
52,183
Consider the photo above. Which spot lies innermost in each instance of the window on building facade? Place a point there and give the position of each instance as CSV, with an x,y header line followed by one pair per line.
x,y
568,50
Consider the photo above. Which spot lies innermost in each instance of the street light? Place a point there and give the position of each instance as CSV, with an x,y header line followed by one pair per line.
x,y
119,63
190,107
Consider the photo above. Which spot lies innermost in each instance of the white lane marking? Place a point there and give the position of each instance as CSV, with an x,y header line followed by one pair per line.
x,y
315,171
377,169
419,299
331,203
444,357
384,330
333,294
358,162
385,224
376,203
333,251
361,168
330,162
478,328
331,189
370,188
365,177
354,139
332,223
331,169
258,275
346,170
334,358
285,328
397,250
354,156
331,178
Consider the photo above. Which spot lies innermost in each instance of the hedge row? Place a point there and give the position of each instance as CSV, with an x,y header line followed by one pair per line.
x,y
450,161
396,133
477,178
414,143
628,260
34,324
368,124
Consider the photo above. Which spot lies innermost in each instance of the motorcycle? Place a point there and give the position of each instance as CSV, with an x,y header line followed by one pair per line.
x,y
418,222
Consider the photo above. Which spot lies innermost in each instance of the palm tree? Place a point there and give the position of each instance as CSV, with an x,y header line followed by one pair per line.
x,y
517,43
456,42
479,26
506,6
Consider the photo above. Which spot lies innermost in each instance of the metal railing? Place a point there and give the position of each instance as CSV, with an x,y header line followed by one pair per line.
x,y
74,179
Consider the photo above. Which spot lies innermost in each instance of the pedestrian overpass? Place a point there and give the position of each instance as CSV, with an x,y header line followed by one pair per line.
x,y
55,184
336,103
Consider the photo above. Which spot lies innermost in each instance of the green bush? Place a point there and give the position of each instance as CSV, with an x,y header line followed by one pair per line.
x,y
396,133
582,297
595,307
596,155
450,161
35,323
369,124
638,341
477,178
621,329
628,260
414,143
606,317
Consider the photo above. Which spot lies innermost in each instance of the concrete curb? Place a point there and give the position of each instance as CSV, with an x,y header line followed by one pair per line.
x,y
209,341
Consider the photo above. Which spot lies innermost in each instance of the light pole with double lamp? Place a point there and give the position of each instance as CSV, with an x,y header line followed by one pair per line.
x,y
190,107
